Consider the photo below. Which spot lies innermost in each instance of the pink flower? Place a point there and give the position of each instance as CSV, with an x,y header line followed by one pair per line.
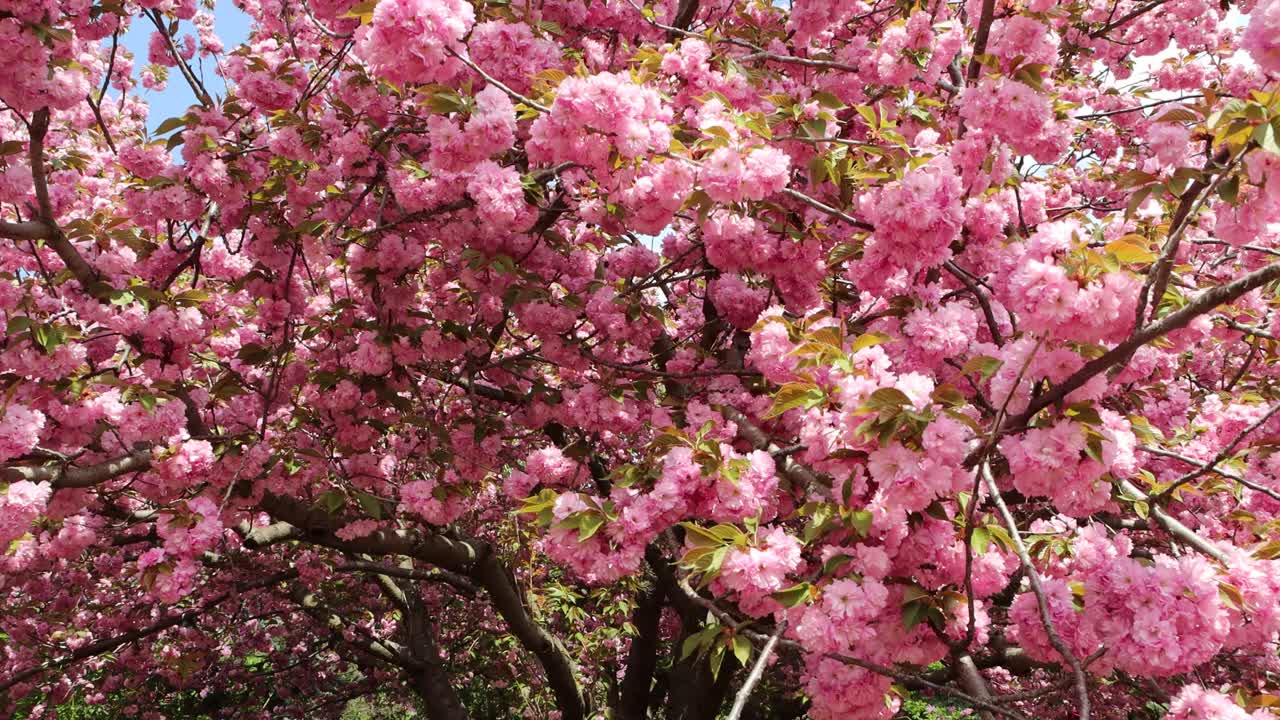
x,y
1261,37
595,114
1195,702
21,503
20,430
499,196
409,40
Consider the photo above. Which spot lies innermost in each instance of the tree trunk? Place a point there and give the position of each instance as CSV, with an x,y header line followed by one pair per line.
x,y
431,680
642,659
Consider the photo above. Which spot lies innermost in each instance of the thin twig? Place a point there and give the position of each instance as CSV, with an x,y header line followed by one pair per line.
x,y
496,83
757,670
1225,453
1033,577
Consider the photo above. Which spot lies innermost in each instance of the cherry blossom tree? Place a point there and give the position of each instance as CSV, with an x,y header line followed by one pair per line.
x,y
642,359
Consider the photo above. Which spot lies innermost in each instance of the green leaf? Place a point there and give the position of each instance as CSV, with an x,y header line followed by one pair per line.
x,y
332,501
1231,595
363,11
1137,199
253,354
191,298
827,100
817,170
1084,413
589,525
867,340
980,540
371,505
887,398
835,563
1093,446
17,324
1265,136
793,595
1178,115
794,395
982,364
1128,251
169,125
697,640
868,114
701,535
717,659
913,613
948,394
741,649
1229,190
861,521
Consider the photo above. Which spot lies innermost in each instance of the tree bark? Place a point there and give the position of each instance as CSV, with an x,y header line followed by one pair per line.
x,y
431,682
642,659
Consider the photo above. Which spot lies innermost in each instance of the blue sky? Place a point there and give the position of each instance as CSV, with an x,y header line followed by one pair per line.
x,y
232,26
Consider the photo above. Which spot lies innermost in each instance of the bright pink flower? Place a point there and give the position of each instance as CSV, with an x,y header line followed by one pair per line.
x,y
409,41
1261,37
21,503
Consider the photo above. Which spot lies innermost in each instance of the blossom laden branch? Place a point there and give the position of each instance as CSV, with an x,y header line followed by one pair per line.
x,y
1201,304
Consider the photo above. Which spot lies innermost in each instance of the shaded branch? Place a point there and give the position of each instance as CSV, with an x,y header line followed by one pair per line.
x,y
107,645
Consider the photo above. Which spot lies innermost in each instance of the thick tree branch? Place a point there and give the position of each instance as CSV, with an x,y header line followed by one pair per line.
x,y
1189,203
1171,525
473,558
197,87
52,235
825,208
685,12
1222,455
29,230
62,476
642,656
1215,470
983,301
980,37
751,433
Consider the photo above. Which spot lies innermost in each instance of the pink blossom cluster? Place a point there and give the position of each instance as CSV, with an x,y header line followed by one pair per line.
x,y
1052,302
845,618
429,500
1155,620
22,502
730,175
683,489
594,116
191,530
604,557
1053,462
511,52
411,40
915,218
754,573
1018,114
20,430
1261,37
1195,702
548,467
